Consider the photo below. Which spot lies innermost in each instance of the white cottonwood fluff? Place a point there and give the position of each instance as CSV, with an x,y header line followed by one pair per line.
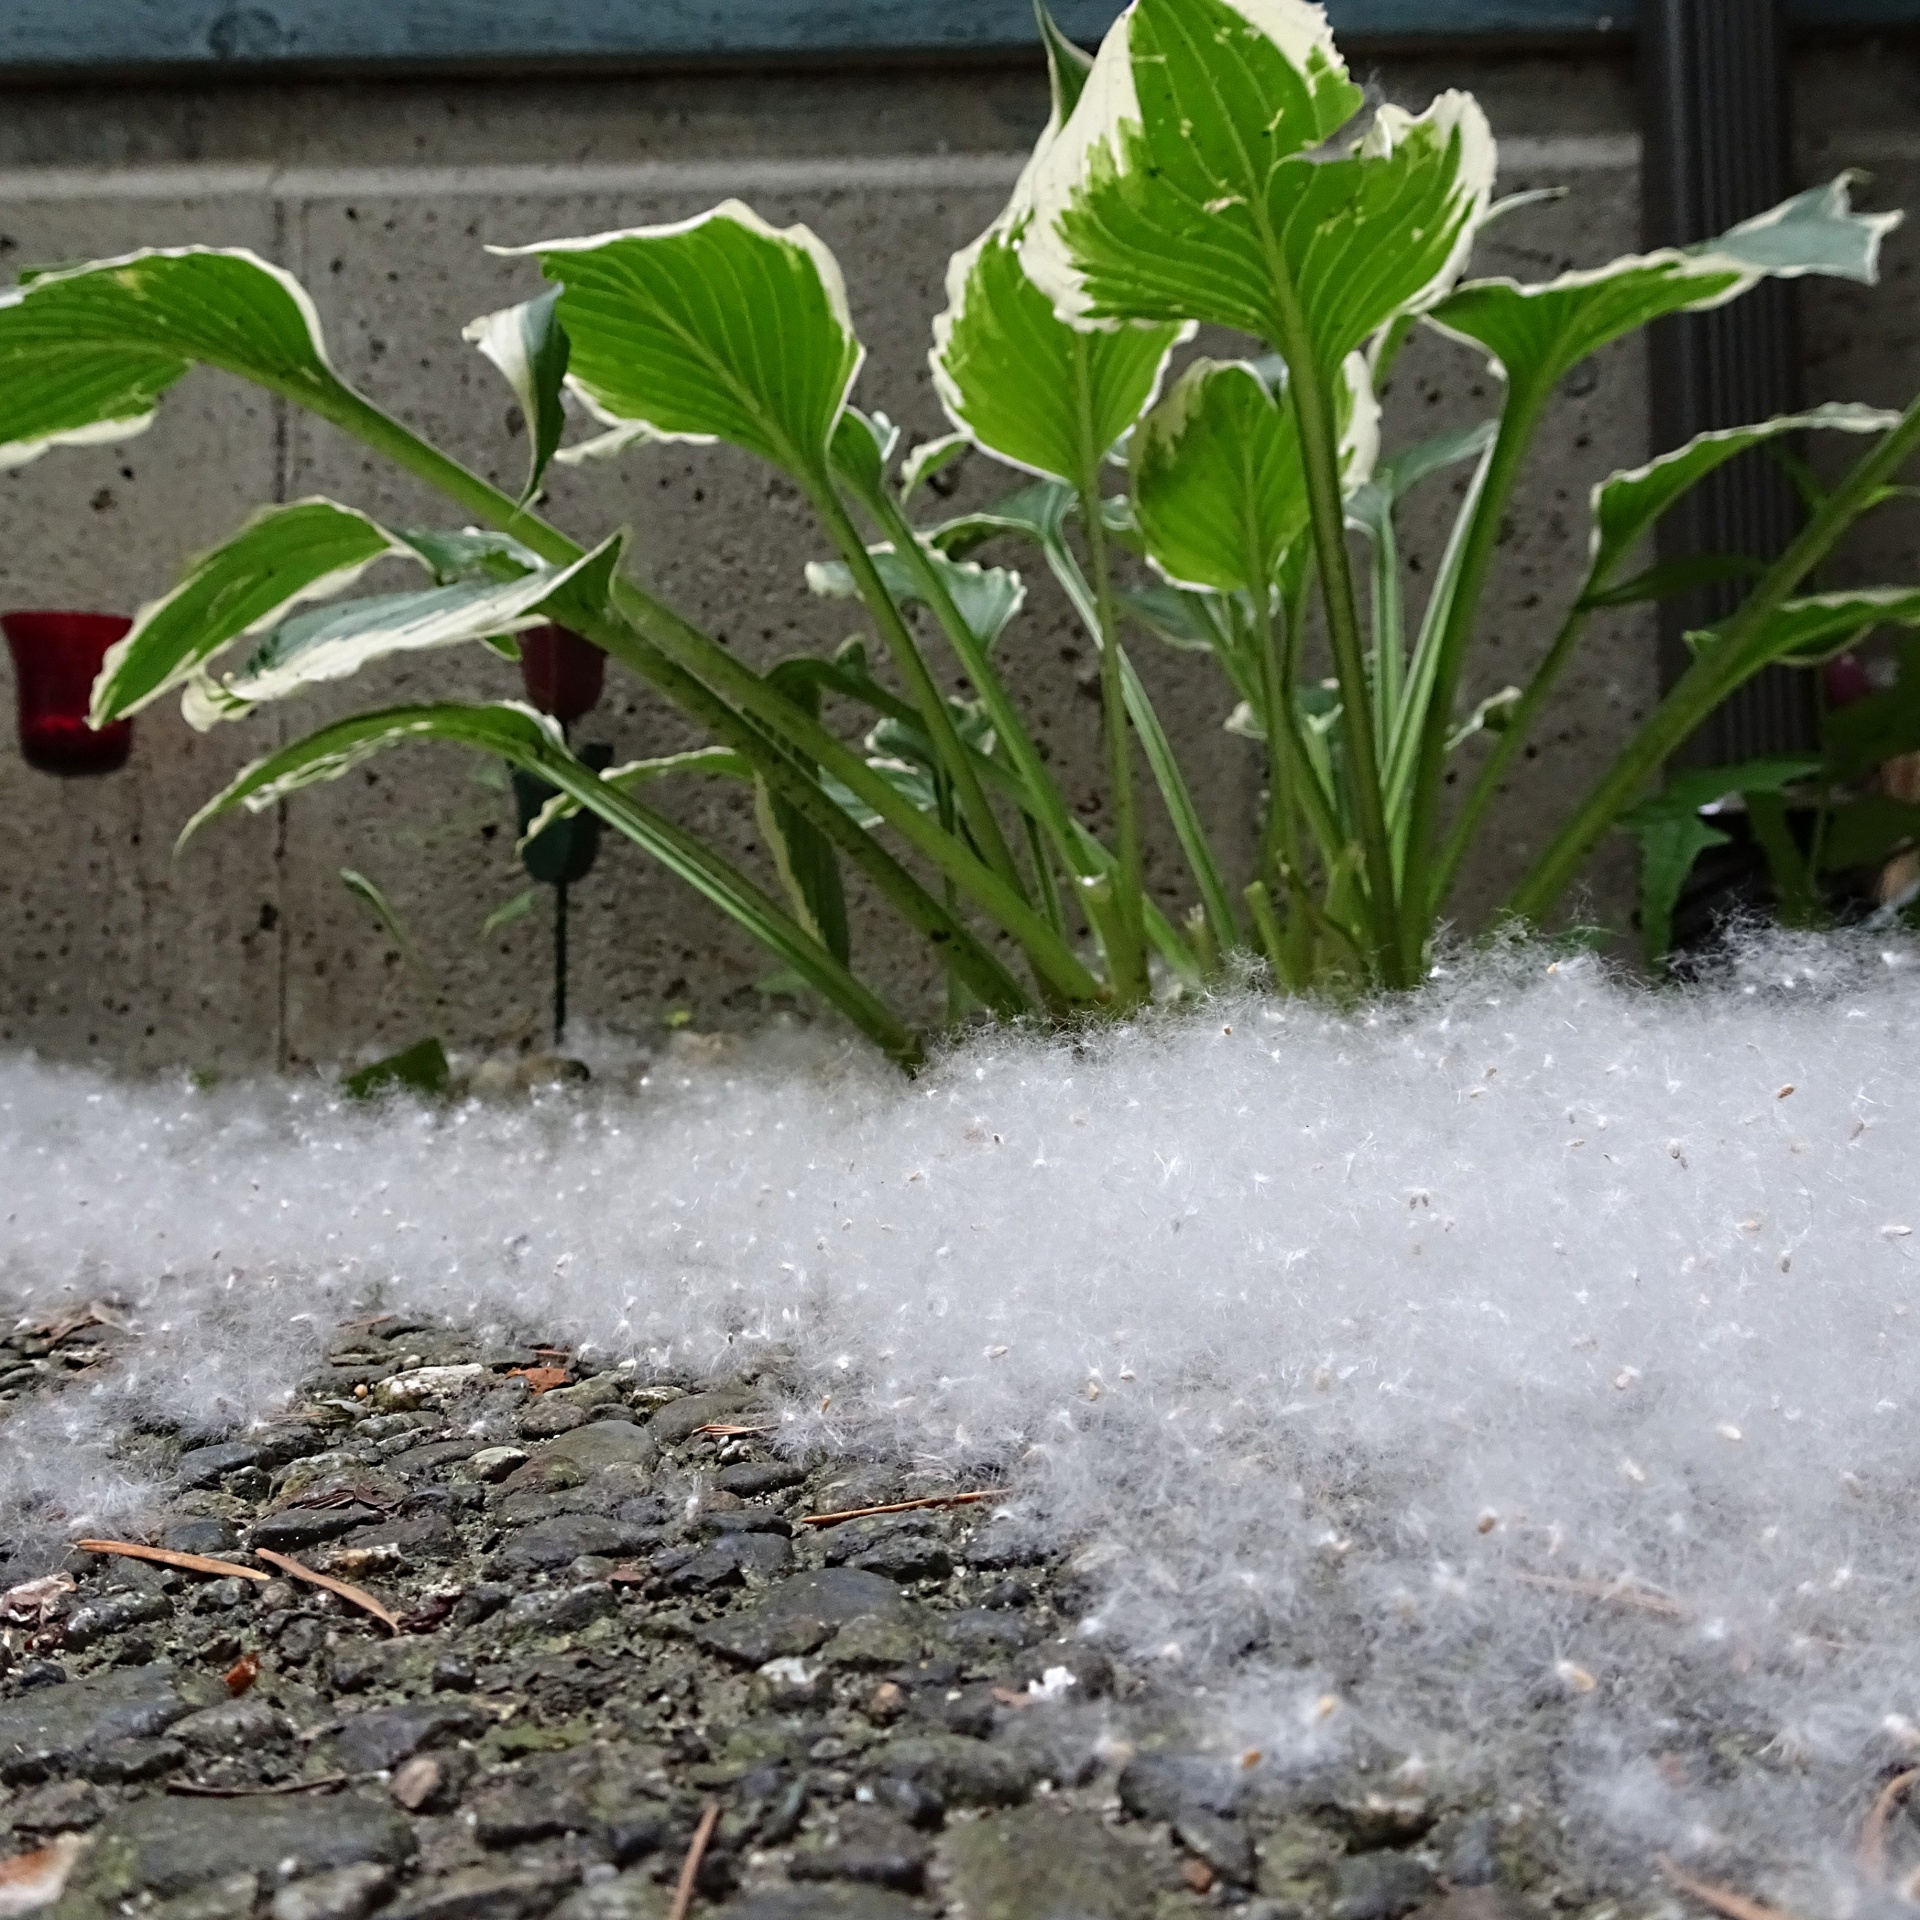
x,y
1356,1350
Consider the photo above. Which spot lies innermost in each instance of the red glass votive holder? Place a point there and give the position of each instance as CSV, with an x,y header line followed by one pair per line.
x,y
564,673
56,658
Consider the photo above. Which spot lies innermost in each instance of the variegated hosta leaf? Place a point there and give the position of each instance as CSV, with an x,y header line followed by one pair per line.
x,y
1536,334
614,439
529,346
1217,486
1184,185
472,553
1626,504
715,328
1023,385
309,550
1803,633
86,352
332,643
927,459
987,597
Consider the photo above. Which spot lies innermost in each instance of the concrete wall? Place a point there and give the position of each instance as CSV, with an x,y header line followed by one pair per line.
x,y
247,951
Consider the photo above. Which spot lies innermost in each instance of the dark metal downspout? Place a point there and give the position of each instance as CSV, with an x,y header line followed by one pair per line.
x,y
1718,148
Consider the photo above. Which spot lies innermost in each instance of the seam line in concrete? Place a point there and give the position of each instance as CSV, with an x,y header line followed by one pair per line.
x,y
886,173
900,173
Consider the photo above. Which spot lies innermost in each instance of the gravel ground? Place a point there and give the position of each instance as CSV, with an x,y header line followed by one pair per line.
x,y
615,1621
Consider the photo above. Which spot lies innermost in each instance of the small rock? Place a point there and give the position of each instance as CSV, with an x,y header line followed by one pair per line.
x,y
417,1782
128,1761
547,1544
561,1609
801,1614
754,1479
299,1528
113,1613
728,1406
207,1466
49,1728
1038,1865
602,1444
963,1773
1164,1786
378,1741
64,1807
1472,1860
230,1899
1224,1844
213,1537
980,1638
516,1815
1001,1545
235,1726
824,1903
173,1846
873,1847
221,1596
1379,1886
626,1896
736,1556
347,1893
493,1464
479,1893
872,1644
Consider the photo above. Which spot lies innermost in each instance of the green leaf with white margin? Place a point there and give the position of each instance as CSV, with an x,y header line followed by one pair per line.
x,y
529,346
618,436
332,643
715,328
1037,513
1672,833
1016,380
308,550
633,774
987,597
1806,632
87,352
1024,386
473,553
1626,504
1184,186
927,459
533,741
1536,334
1216,482
803,856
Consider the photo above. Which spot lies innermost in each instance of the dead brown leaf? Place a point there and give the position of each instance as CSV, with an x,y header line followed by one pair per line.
x,y
30,1881
540,1379
1726,1900
902,1506
242,1674
1873,1829
186,1562
357,1596
29,1602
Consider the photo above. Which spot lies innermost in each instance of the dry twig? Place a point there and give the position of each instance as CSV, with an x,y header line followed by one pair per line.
x,y
690,1867
199,1790
903,1506
721,1429
359,1596
1873,1829
1736,1906
1622,1595
187,1562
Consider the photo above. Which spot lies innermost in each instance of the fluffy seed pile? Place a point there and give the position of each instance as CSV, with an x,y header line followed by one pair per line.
x,y
1524,1377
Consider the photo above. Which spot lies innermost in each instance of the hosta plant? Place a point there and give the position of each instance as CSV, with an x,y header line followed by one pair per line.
x,y
1213,164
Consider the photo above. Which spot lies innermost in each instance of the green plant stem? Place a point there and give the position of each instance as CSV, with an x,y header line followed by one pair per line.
x,y
1320,460
1174,793
1045,803
1486,783
1733,657
1131,984
1517,422
681,642
927,697
986,975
